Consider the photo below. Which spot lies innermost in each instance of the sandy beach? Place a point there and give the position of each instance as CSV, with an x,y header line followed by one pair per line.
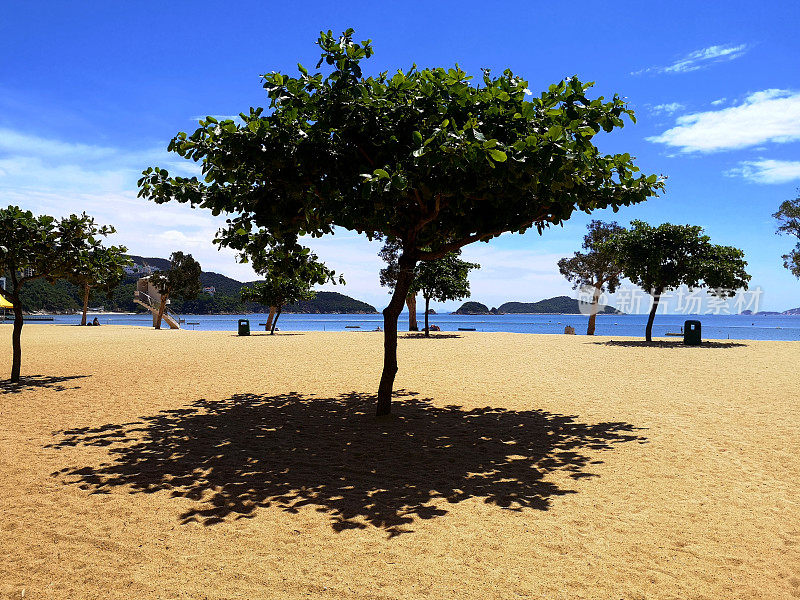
x,y
183,464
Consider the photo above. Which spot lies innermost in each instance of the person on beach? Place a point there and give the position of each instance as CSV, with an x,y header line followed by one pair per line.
x,y
96,322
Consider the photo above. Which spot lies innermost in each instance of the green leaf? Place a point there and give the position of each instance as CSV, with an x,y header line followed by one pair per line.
x,y
417,137
498,155
381,174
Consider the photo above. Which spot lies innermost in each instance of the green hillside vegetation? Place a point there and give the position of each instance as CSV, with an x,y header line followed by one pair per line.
x,y
38,294
63,297
331,302
472,308
557,305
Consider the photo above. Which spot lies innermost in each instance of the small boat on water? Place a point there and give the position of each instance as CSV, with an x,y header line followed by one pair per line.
x,y
352,326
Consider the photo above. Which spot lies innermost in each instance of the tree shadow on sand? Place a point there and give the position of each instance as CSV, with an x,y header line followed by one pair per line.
x,y
668,344
235,455
31,382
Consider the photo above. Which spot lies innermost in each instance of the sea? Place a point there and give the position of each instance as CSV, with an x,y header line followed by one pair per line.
x,y
717,327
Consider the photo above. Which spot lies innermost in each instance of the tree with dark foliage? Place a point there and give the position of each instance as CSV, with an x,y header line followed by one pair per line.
x,y
424,158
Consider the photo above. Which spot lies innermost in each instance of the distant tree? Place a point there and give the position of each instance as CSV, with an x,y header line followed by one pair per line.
x,y
595,269
33,247
788,217
443,279
182,279
425,158
101,268
291,271
390,252
668,256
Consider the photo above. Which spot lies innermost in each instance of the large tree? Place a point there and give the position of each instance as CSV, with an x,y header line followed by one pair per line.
x,y
33,247
668,256
788,217
182,279
425,157
443,279
596,268
291,271
102,268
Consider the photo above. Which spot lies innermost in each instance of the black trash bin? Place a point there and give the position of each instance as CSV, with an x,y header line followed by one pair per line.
x,y
244,326
691,333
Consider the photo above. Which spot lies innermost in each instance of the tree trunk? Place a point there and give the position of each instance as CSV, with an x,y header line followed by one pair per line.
x,y
85,302
411,301
16,338
648,333
270,318
593,311
161,308
275,320
427,308
405,277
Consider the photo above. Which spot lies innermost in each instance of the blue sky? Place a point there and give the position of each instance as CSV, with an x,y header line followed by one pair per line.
x,y
91,93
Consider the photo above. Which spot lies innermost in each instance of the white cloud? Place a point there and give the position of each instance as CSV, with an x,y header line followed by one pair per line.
x,y
667,109
767,116
699,59
767,171
718,102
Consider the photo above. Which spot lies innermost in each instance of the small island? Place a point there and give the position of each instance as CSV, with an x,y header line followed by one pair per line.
x,y
560,305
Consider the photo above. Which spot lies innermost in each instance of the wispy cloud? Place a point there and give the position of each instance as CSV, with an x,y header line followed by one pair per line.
x,y
767,171
767,116
667,109
699,59
718,102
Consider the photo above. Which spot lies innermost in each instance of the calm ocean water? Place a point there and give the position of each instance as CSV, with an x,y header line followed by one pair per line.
x,y
713,326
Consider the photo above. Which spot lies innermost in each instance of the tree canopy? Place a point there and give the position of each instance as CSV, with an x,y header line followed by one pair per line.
x,y
788,216
34,247
291,271
596,268
424,157
668,256
102,268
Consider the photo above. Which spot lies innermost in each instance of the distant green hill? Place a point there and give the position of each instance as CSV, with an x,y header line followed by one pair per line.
x,y
557,305
331,303
472,308
38,295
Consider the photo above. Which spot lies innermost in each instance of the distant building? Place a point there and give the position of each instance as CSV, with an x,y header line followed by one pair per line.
x,y
210,289
137,269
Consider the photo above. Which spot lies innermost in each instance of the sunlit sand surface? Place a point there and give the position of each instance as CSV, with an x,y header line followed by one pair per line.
x,y
175,464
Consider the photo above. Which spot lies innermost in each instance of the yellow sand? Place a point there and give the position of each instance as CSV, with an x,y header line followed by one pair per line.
x,y
180,464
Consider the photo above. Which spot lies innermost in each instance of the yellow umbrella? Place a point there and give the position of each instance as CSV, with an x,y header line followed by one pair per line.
x,y
5,303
